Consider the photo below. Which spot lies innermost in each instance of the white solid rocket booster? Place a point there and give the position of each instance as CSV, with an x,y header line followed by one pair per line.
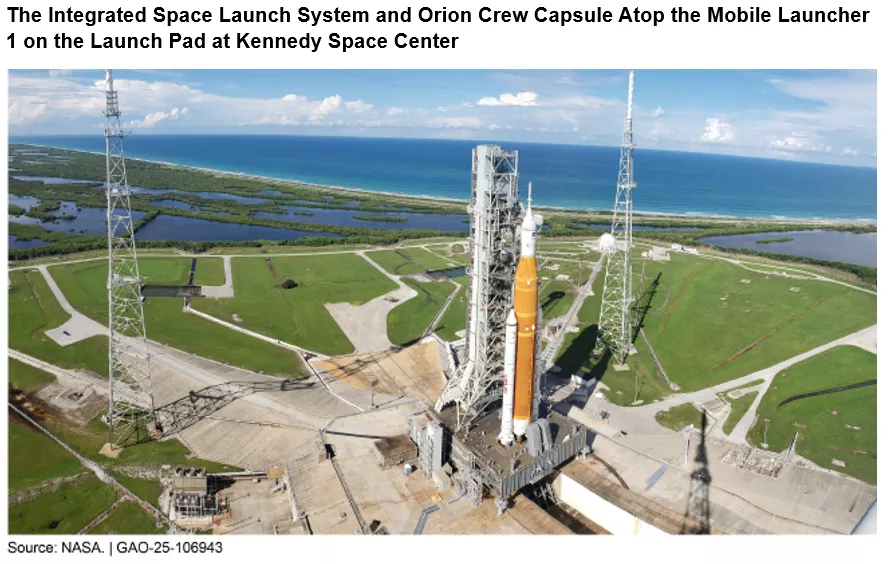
x,y
506,436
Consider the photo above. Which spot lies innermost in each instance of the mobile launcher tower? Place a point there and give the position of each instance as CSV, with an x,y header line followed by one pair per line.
x,y
495,448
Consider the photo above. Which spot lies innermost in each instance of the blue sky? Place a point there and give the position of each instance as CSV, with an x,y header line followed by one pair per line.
x,y
816,116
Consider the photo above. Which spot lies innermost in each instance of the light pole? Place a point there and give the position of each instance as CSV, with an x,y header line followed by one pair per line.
x,y
374,382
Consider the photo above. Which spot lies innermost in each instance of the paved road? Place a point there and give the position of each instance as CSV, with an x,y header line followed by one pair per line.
x,y
230,255
365,325
76,329
641,419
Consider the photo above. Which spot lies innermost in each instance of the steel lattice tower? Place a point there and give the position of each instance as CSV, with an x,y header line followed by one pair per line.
x,y
615,331
493,249
130,402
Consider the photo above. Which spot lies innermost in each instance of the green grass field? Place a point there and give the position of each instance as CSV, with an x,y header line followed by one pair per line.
x,y
824,436
426,259
556,297
148,489
738,408
32,311
84,286
38,457
407,321
64,511
678,417
86,440
409,261
395,263
128,518
26,378
209,272
298,315
641,381
455,318
707,326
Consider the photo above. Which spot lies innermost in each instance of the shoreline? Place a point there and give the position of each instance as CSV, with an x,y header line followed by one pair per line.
x,y
689,216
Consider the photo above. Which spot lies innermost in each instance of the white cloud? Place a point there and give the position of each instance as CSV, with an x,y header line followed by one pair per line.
x,y
849,152
327,106
717,130
518,99
456,122
60,72
152,119
840,111
359,106
797,142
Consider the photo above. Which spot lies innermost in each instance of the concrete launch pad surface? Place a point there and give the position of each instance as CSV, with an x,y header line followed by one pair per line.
x,y
414,371
257,510
798,500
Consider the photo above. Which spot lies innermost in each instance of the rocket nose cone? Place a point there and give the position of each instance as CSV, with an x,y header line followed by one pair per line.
x,y
511,317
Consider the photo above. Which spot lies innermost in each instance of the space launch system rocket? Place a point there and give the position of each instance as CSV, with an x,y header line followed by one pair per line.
x,y
521,341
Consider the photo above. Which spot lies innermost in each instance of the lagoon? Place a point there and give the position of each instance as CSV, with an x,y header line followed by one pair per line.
x,y
838,246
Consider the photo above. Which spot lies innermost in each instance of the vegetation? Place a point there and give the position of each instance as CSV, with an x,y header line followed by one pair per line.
x,y
641,382
15,210
64,511
128,518
381,218
680,416
738,408
42,211
395,262
426,259
289,284
556,297
744,321
209,272
407,321
87,439
189,182
836,426
455,317
739,327
41,458
774,240
865,274
186,185
24,377
298,316
33,310
84,287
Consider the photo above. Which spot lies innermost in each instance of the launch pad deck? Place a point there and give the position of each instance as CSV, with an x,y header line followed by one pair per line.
x,y
507,470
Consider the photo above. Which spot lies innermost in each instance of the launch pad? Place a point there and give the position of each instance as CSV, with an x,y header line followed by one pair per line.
x,y
506,470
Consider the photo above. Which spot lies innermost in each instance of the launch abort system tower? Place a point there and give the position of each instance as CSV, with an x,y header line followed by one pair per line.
x,y
615,330
130,404
493,253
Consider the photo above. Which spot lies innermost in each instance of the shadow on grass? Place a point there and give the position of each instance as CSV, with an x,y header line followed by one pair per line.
x,y
551,301
643,305
577,358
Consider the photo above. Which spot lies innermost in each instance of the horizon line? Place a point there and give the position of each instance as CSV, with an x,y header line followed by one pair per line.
x,y
476,140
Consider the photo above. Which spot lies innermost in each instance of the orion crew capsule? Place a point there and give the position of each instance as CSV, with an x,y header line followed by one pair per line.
x,y
519,363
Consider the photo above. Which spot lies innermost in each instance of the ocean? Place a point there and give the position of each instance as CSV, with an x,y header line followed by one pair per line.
x,y
570,176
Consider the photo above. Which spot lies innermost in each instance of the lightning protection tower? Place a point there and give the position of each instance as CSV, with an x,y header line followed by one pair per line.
x,y
493,251
130,402
615,330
